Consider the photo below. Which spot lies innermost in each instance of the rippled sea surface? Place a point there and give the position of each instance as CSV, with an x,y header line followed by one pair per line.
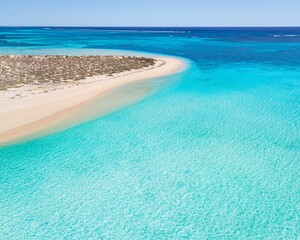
x,y
213,154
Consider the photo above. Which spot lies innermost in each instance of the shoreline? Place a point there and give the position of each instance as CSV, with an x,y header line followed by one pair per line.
x,y
25,116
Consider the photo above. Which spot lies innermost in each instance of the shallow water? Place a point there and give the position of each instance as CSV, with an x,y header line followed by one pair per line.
x,y
213,154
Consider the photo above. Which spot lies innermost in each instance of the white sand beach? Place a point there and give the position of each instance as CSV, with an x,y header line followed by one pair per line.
x,y
39,108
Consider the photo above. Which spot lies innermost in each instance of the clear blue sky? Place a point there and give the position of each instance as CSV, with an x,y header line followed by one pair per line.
x,y
150,12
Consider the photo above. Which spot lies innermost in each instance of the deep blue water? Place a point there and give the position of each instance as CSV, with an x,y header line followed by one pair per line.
x,y
215,154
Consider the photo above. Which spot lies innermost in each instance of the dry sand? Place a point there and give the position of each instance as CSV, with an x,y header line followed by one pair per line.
x,y
36,109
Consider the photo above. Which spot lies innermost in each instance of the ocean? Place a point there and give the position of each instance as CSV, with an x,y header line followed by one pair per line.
x,y
209,153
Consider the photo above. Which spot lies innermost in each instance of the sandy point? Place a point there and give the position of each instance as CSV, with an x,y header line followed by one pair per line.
x,y
24,116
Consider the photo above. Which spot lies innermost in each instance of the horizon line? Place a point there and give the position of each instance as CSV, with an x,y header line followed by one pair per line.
x,y
90,26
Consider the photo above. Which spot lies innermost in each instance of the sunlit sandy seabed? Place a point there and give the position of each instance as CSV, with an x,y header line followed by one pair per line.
x,y
210,153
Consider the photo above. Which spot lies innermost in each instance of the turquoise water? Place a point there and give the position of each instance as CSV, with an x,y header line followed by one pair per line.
x,y
213,154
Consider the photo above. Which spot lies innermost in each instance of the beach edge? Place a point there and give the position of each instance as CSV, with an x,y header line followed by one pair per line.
x,y
23,117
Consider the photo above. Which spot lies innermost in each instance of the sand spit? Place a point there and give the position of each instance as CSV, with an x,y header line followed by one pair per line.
x,y
37,103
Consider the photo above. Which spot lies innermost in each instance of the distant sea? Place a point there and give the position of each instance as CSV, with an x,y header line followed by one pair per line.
x,y
212,153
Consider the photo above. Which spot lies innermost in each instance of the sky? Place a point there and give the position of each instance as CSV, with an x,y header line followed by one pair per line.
x,y
150,13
